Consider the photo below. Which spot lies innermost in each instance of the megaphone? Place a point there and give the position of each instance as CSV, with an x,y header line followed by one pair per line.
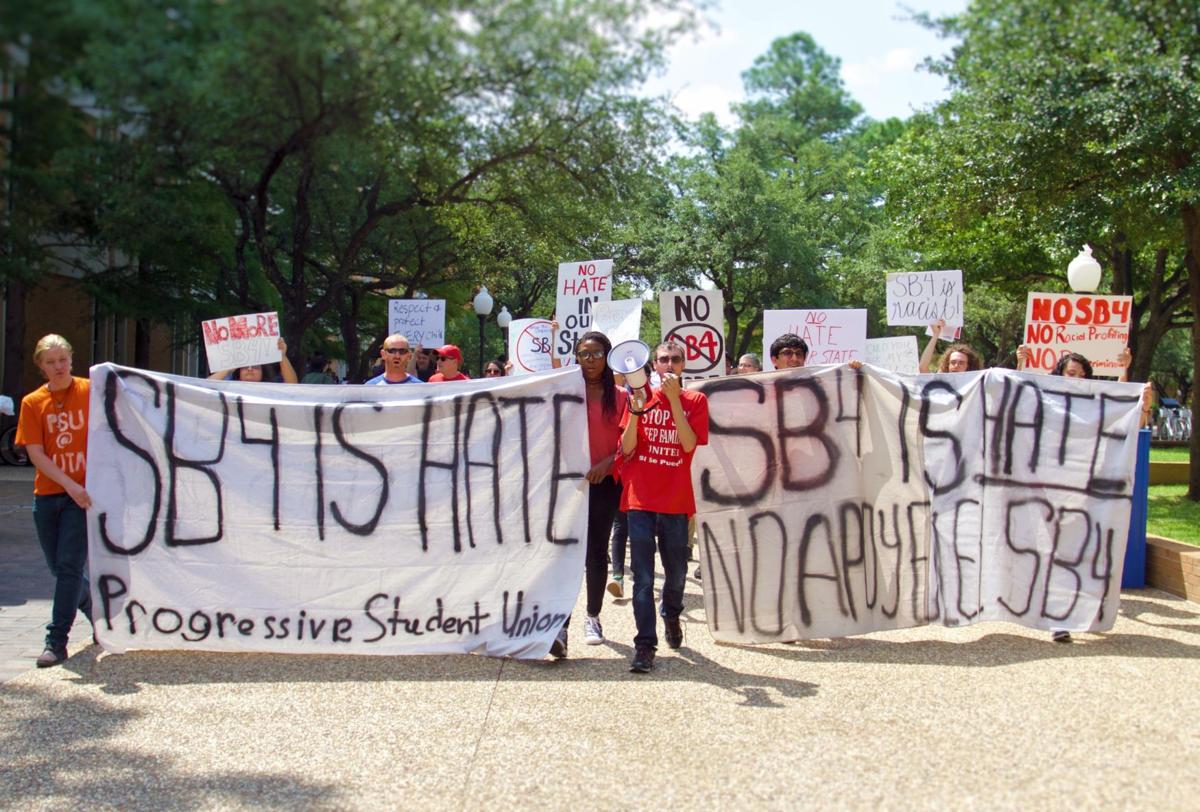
x,y
629,358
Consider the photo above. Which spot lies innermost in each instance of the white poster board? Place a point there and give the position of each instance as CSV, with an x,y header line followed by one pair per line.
x,y
620,320
421,321
696,319
894,353
833,502
529,345
241,341
918,299
580,285
1096,327
230,516
833,336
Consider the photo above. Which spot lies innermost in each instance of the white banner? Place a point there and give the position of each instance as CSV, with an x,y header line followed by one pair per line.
x,y
620,320
401,520
580,285
920,298
1096,327
833,336
421,321
696,319
241,341
529,345
837,502
894,353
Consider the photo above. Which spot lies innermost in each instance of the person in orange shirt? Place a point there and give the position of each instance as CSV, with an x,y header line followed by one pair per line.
x,y
53,430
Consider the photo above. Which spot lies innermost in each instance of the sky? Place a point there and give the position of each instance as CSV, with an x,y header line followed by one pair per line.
x,y
879,49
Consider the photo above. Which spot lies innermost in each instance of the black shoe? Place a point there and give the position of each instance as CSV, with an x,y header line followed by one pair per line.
x,y
674,632
643,660
51,657
696,574
558,649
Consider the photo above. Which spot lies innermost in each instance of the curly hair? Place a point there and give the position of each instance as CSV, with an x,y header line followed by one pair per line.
x,y
974,362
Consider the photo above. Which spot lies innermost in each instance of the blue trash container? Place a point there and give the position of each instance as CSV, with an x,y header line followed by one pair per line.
x,y
1134,575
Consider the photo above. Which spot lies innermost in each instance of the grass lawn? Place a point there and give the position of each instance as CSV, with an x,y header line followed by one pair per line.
x,y
1173,515
1173,454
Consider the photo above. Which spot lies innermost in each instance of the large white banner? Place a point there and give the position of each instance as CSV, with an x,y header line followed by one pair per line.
x,y
312,519
1096,327
421,321
580,285
832,336
696,319
833,502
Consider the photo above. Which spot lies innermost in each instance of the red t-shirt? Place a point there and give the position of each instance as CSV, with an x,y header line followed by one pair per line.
x,y
438,377
57,421
658,476
604,431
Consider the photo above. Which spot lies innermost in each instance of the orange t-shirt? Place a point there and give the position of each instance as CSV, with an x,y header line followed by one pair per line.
x,y
57,421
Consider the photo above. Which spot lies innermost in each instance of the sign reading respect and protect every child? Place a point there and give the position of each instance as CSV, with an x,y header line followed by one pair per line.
x,y
421,321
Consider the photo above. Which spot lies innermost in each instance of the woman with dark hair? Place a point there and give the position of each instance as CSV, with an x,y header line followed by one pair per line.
x,y
257,373
493,369
605,404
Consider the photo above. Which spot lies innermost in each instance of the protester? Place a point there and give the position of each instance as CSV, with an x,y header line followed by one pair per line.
x,y
395,355
425,364
657,493
53,429
318,370
956,358
789,351
449,361
256,373
493,369
605,406
749,363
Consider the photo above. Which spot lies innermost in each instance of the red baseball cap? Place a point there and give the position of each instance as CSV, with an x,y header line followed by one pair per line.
x,y
450,351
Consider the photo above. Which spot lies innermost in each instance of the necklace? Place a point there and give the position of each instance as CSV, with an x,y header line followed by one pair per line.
x,y
60,403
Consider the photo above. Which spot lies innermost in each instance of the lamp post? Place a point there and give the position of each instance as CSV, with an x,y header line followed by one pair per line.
x,y
504,318
483,308
1083,274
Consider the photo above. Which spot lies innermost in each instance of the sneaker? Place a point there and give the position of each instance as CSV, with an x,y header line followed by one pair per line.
x,y
51,657
1060,636
558,649
643,660
593,634
616,587
674,631
696,574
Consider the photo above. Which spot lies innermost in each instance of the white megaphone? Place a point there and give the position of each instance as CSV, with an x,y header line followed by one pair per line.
x,y
629,358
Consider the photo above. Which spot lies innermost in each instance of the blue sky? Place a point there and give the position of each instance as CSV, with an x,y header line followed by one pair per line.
x,y
880,52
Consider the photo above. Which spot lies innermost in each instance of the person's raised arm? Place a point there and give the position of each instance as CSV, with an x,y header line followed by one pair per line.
x,y
220,375
927,356
554,362
1023,356
285,366
1125,359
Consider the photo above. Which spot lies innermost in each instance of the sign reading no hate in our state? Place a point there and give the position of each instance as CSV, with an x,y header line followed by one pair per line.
x,y
580,285
833,336
241,341
696,319
1096,327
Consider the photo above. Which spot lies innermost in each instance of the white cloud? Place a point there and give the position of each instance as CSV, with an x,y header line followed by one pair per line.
x,y
692,100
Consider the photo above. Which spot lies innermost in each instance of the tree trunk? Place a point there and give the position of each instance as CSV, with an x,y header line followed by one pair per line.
x,y
141,344
1191,232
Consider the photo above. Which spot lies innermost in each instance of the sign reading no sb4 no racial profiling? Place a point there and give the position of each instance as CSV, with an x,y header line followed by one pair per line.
x,y
1096,327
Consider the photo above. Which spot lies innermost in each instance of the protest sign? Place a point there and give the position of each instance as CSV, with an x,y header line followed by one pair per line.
x,y
232,516
620,320
833,336
921,298
580,285
833,502
696,319
1096,327
241,341
529,345
421,321
895,353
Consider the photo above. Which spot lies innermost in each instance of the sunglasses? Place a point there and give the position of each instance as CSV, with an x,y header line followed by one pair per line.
x,y
593,355
790,354
397,350
670,359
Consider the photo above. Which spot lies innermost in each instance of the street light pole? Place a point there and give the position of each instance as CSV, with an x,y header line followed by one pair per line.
x,y
483,308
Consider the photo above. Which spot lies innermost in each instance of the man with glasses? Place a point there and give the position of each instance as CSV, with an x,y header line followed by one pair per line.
x,y
395,354
659,435
449,359
789,351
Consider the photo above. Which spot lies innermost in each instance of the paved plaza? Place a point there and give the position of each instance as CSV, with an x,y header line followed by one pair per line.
x,y
988,717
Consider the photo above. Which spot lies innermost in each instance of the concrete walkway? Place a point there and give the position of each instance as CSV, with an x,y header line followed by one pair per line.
x,y
986,717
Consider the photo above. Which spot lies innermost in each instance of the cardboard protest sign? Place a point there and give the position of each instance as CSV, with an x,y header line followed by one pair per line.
x,y
402,520
833,336
921,298
834,502
580,285
1096,327
241,341
895,353
620,320
529,345
421,321
696,319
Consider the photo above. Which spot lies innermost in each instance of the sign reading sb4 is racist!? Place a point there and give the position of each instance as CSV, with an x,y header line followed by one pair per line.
x,y
696,319
1096,327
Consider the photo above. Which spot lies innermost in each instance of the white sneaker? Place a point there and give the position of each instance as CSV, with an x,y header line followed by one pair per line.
x,y
593,635
616,587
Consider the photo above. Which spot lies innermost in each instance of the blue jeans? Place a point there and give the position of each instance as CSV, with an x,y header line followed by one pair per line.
x,y
671,531
620,539
62,530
